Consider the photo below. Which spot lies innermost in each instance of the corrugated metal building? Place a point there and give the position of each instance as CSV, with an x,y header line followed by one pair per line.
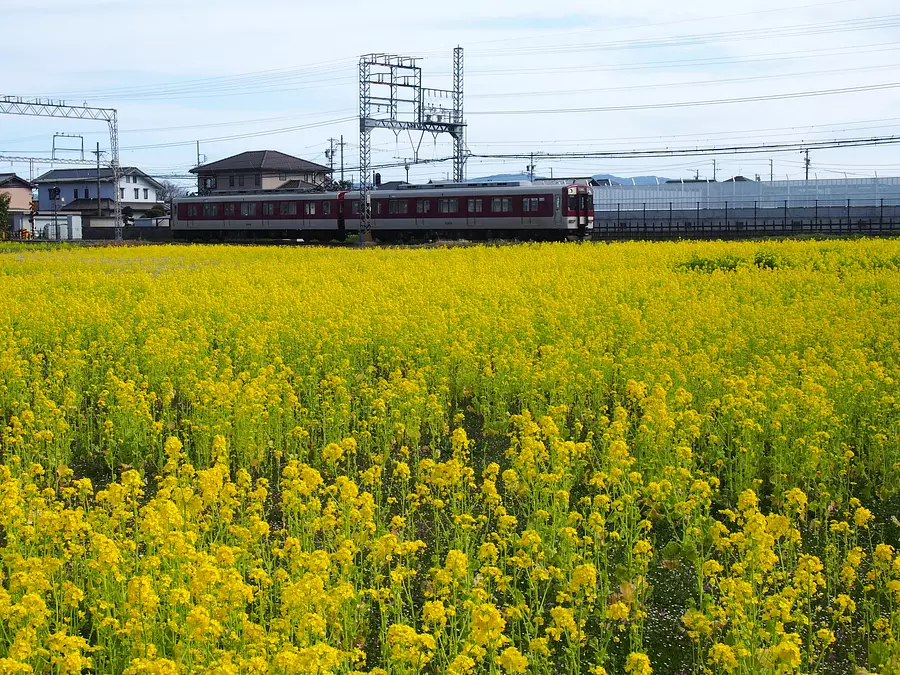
x,y
742,193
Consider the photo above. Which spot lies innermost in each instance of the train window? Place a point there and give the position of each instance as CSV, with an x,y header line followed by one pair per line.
x,y
573,202
423,205
268,209
193,211
558,203
378,207
355,207
210,210
398,206
248,209
448,205
475,206
507,204
495,205
309,208
326,208
530,204
288,208
230,210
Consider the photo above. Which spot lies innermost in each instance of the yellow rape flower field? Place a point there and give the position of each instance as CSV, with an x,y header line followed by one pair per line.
x,y
549,459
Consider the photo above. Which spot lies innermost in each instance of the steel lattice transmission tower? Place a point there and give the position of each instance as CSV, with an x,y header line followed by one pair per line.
x,y
459,138
391,96
14,105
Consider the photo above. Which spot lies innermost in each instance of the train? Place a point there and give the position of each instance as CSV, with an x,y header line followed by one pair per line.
x,y
516,210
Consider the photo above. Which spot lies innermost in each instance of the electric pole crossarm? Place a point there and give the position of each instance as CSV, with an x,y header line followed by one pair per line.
x,y
17,106
14,105
433,127
43,160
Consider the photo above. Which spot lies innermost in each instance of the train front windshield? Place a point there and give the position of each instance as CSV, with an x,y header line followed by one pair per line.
x,y
583,203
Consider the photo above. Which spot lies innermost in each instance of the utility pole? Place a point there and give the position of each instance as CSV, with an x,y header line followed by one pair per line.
x,y
715,166
531,168
198,153
329,154
806,163
342,158
771,171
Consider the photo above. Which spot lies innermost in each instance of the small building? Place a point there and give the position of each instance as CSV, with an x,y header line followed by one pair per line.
x,y
136,189
19,191
260,170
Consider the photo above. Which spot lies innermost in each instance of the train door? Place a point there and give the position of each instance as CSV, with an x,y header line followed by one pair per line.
x,y
341,216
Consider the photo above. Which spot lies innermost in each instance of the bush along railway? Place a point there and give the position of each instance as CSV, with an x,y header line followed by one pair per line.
x,y
508,210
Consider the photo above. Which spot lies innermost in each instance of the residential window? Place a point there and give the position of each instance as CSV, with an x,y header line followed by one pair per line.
x,y
137,193
288,208
193,211
257,180
240,181
76,193
475,206
326,208
248,209
309,208
282,176
448,205
146,193
268,209
210,210
423,205
230,210
121,193
230,181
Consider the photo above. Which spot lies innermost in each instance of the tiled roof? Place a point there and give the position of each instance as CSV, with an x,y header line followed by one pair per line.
x,y
86,175
261,160
12,180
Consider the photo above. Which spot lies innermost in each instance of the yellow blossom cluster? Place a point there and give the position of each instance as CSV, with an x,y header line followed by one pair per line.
x,y
541,459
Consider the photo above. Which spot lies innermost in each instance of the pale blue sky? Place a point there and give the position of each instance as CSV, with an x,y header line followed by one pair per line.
x,y
213,70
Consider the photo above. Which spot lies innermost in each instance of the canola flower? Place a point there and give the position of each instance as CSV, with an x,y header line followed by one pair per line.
x,y
537,459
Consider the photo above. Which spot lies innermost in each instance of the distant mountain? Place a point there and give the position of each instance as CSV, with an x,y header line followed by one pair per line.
x,y
637,180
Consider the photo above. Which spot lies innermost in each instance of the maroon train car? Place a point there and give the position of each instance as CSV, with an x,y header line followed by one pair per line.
x,y
457,210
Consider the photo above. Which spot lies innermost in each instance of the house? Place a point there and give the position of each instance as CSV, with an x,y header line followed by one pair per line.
x,y
136,189
260,170
19,191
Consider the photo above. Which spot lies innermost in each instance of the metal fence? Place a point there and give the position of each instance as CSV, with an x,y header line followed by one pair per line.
x,y
727,220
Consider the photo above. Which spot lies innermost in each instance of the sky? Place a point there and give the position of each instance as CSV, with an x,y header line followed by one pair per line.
x,y
540,77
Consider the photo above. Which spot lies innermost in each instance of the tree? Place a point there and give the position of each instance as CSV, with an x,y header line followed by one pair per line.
x,y
156,211
5,218
170,191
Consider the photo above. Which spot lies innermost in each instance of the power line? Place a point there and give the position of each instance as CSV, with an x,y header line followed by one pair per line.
x,y
691,104
234,137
